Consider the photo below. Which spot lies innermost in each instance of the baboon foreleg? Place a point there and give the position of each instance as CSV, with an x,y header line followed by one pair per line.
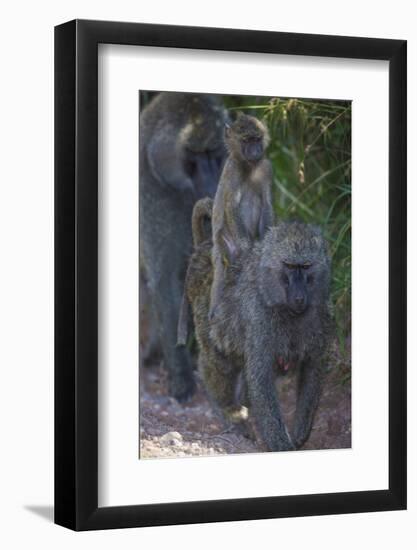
x,y
263,398
309,385
176,359
149,346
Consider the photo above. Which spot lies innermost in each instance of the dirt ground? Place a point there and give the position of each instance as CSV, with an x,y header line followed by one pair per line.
x,y
168,429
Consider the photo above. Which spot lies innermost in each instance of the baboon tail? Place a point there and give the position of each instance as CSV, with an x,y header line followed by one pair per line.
x,y
201,220
183,320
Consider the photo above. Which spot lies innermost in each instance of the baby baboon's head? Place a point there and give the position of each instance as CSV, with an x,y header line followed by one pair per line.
x,y
294,267
247,138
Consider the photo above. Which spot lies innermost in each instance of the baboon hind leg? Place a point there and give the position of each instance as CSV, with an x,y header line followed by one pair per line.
x,y
220,379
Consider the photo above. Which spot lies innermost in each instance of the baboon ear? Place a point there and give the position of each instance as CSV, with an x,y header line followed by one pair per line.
x,y
227,129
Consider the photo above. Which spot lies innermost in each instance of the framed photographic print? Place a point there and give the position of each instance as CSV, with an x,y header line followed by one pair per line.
x,y
230,255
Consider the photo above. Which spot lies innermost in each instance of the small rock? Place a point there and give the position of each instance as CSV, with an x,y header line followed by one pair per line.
x,y
172,438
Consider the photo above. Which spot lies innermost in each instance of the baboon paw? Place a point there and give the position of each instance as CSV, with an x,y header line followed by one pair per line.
x,y
282,446
278,444
183,390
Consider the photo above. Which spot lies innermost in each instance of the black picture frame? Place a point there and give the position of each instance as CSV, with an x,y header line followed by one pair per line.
x,y
76,272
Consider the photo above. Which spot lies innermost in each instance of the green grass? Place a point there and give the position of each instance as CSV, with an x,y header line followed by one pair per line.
x,y
310,153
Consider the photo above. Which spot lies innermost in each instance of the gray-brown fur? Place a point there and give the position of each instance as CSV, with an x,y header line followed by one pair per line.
x,y
261,321
201,220
201,224
181,152
242,210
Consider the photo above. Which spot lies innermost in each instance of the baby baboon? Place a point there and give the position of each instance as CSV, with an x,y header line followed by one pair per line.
x,y
181,153
242,210
274,307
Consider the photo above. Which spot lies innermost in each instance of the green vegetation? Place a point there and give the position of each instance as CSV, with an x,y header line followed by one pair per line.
x,y
311,156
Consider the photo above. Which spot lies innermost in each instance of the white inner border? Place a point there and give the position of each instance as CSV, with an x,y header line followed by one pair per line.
x,y
123,479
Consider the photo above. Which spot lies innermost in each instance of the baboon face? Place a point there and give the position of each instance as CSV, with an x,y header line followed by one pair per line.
x,y
294,268
247,138
203,150
297,280
288,285
208,162
203,154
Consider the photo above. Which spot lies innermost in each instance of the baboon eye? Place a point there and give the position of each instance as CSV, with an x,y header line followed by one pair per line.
x,y
297,266
285,280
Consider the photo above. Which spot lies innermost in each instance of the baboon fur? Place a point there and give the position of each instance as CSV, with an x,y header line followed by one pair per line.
x,y
181,153
201,224
255,328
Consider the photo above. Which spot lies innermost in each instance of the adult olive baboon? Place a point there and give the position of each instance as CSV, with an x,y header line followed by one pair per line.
x,y
274,309
181,153
242,210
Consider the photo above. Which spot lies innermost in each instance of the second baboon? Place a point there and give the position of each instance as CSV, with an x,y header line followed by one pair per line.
x,y
275,307
181,152
242,210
